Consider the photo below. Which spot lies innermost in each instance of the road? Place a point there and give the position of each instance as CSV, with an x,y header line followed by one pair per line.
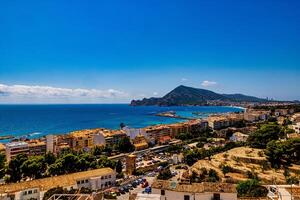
x,y
138,189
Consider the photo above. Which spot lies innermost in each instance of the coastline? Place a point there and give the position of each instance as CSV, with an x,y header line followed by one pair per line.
x,y
51,119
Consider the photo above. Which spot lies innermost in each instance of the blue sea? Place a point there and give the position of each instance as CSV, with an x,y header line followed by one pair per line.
x,y
35,121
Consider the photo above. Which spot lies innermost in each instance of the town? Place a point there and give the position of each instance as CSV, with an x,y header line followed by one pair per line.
x,y
253,154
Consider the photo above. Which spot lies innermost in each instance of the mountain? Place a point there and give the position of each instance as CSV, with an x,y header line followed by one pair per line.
x,y
183,95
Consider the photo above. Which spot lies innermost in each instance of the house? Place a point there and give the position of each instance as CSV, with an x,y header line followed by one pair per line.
x,y
96,179
170,190
296,127
252,115
239,137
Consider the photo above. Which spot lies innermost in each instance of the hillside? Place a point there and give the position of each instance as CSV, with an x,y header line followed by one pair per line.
x,y
183,95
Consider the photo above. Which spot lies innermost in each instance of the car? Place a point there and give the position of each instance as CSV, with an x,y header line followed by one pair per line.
x,y
140,180
130,186
145,184
134,184
122,191
126,188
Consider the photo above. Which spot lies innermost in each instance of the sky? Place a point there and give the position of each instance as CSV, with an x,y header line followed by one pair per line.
x,y
59,51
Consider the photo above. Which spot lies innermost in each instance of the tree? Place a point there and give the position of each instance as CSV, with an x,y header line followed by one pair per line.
x,y
56,190
265,134
119,167
34,167
124,145
251,188
122,125
2,165
165,174
213,176
49,158
14,168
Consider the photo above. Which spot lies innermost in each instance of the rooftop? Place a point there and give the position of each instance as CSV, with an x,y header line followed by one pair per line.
x,y
195,187
55,181
15,144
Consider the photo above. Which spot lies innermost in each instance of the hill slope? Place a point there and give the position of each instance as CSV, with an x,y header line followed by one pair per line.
x,y
183,95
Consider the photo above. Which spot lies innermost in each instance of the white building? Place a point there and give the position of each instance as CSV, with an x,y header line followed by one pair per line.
x,y
239,137
196,191
99,139
12,149
133,132
97,179
296,127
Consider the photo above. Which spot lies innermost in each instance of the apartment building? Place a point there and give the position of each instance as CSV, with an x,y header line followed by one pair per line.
x,y
155,132
196,191
12,149
36,147
97,179
140,143
252,115
217,122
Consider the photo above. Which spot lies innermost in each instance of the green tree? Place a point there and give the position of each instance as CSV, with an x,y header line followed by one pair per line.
x,y
49,158
56,190
34,167
265,134
165,174
251,188
124,145
119,167
14,168
2,165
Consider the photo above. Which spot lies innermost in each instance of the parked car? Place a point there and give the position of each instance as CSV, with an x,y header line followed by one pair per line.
x,y
145,184
122,191
130,186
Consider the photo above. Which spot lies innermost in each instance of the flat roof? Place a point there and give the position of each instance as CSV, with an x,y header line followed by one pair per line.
x,y
195,187
15,144
55,181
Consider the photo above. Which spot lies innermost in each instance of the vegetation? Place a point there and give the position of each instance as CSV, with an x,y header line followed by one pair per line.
x,y
265,134
165,174
205,176
251,188
2,165
283,152
124,145
23,167
192,156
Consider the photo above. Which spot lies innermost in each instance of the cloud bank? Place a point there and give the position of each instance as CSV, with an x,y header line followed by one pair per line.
x,y
28,92
208,83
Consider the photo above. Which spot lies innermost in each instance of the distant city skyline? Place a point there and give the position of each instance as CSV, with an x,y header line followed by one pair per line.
x,y
116,51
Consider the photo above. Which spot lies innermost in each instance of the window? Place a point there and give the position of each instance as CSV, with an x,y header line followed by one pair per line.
x,y
82,182
109,176
217,196
25,193
78,182
86,181
186,197
101,177
35,191
30,192
162,192
105,177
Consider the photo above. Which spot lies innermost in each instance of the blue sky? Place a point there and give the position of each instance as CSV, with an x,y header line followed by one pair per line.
x,y
113,51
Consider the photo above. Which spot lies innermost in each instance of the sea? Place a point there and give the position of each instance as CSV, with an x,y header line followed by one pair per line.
x,y
34,121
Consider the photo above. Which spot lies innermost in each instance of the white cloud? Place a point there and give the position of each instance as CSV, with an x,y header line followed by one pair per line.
x,y
155,93
208,83
183,79
44,92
